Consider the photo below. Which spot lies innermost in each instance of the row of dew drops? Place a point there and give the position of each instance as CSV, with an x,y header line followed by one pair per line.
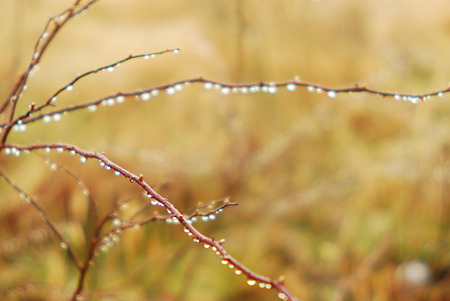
x,y
109,240
146,95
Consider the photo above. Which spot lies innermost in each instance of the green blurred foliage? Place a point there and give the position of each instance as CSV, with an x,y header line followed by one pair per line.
x,y
337,195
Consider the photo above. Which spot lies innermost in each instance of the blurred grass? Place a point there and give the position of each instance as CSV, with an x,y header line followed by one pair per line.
x,y
336,195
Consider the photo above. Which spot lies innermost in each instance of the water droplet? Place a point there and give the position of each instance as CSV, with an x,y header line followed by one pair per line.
x,y
170,90
244,90
108,102
178,87
196,240
154,92
331,94
176,50
56,117
116,222
206,246
208,86
145,96
205,218
110,69
117,173
63,245
73,153
154,202
48,150
291,87
15,152
268,286
53,166
238,272
69,88
319,90
83,159
60,150
272,89
397,97
92,108
251,282
34,70
414,100
120,98
46,119
440,94
311,89
212,217
254,89
225,90
44,35
186,230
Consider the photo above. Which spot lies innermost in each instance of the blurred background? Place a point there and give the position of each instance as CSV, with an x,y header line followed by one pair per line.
x,y
348,198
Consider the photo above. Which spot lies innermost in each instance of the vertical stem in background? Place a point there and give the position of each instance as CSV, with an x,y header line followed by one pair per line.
x,y
16,40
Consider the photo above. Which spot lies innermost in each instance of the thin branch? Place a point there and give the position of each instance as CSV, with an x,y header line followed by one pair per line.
x,y
217,246
224,88
64,242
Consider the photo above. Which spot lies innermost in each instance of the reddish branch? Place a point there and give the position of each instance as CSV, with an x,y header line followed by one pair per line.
x,y
190,230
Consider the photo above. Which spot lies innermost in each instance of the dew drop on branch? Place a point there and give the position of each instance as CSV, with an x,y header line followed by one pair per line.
x,y
120,98
56,117
92,108
154,92
331,94
225,90
291,87
46,119
53,166
145,96
170,90
244,90
116,222
207,85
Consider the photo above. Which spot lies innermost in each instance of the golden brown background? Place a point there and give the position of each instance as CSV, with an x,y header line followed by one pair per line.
x,y
337,195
